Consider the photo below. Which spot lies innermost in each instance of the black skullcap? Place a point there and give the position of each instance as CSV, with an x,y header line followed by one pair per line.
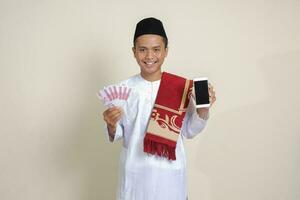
x,y
149,26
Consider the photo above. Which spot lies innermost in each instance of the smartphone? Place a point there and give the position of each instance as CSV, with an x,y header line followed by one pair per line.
x,y
201,92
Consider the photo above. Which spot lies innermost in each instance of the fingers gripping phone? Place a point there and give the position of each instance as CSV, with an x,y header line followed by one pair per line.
x,y
201,92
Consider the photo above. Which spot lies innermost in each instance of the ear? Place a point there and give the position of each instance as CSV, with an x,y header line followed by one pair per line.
x,y
133,50
167,50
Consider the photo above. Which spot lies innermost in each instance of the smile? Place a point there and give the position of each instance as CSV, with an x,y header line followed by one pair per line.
x,y
150,63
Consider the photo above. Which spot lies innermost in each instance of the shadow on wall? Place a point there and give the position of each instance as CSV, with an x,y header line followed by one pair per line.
x,y
253,151
86,156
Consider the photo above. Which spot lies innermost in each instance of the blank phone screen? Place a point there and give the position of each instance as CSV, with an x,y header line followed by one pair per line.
x,y
201,92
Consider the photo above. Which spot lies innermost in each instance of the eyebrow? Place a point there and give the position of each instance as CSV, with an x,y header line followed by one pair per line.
x,y
150,47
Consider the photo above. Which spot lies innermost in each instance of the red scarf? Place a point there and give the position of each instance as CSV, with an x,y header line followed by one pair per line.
x,y
167,115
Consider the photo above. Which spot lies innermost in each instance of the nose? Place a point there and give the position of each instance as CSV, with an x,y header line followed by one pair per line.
x,y
149,54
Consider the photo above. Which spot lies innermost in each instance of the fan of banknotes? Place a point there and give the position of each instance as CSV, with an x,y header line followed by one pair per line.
x,y
115,95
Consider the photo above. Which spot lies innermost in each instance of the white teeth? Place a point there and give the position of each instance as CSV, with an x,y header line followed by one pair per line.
x,y
150,63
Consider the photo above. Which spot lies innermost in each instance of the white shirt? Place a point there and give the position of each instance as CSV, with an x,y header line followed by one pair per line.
x,y
143,176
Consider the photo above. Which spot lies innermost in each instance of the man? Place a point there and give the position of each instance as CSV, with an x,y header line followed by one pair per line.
x,y
150,176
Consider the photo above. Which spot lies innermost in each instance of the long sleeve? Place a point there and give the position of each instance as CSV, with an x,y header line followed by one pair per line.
x,y
192,123
118,134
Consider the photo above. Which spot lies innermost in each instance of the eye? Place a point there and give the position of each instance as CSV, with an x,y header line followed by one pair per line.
x,y
156,49
142,50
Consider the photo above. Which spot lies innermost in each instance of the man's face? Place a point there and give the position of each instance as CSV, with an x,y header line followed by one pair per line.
x,y
150,53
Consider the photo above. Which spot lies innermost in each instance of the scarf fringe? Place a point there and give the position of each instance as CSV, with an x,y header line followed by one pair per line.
x,y
159,149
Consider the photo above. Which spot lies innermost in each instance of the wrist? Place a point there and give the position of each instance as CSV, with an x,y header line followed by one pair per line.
x,y
111,129
203,113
